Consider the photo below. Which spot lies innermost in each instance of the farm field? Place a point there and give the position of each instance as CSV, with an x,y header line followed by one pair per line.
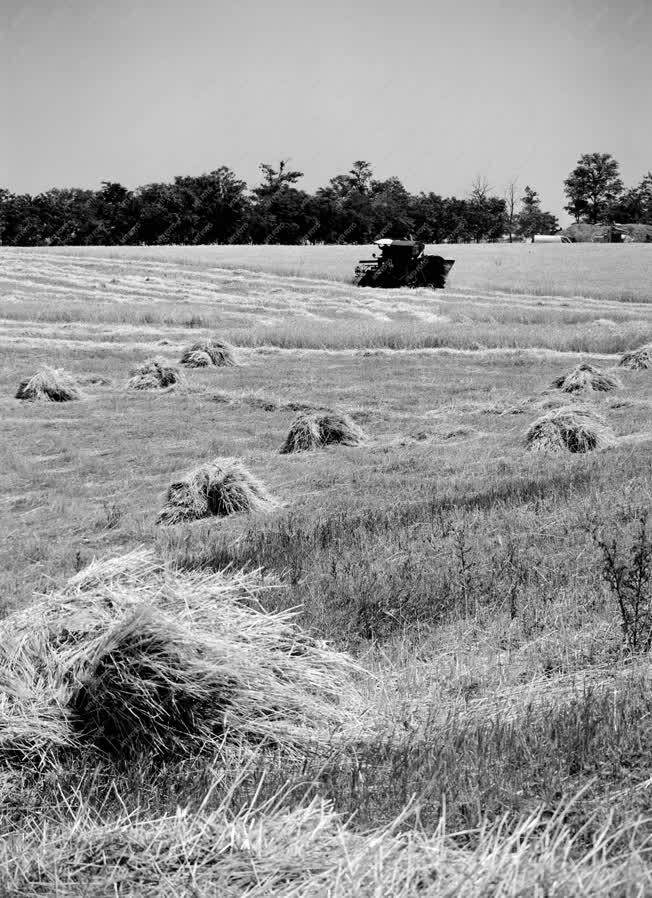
x,y
495,735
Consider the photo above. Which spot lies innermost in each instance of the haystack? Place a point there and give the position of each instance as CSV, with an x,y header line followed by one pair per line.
x,y
51,384
133,657
312,430
219,353
196,359
584,378
638,359
154,374
571,429
220,487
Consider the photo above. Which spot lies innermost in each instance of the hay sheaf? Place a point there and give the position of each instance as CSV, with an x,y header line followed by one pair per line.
x,y
50,384
196,358
154,374
638,359
312,430
134,657
221,487
219,353
585,378
569,429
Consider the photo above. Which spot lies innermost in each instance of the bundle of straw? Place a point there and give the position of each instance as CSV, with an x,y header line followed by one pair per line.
x,y
637,359
154,374
220,487
134,657
50,384
585,378
312,430
571,429
220,353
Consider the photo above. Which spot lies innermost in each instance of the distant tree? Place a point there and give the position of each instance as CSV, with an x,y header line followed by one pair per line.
x,y
390,213
635,205
593,187
275,179
532,219
485,213
510,210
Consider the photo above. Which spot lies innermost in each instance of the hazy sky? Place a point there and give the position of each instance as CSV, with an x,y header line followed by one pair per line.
x,y
436,93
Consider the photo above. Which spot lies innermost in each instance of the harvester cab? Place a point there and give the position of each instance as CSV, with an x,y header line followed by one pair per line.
x,y
402,263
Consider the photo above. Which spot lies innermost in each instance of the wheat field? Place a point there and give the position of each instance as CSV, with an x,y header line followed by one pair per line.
x,y
433,623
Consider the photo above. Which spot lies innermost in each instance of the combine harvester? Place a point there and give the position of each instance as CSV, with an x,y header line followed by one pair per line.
x,y
402,263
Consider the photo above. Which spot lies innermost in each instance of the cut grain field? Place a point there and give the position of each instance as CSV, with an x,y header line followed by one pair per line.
x,y
436,590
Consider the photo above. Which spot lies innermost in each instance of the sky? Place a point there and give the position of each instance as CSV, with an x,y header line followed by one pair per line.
x,y
436,93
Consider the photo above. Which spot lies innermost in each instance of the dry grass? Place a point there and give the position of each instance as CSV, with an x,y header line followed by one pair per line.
x,y
638,359
585,378
221,487
311,851
219,353
50,384
154,374
312,430
569,428
134,657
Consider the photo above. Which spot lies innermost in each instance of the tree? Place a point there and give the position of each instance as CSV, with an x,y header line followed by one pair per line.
x,y
635,205
532,219
593,187
510,209
275,179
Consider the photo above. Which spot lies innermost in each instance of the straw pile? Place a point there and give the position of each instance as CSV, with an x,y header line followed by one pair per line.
x,y
312,430
569,429
196,359
637,359
584,378
220,487
219,353
154,374
310,851
50,384
133,657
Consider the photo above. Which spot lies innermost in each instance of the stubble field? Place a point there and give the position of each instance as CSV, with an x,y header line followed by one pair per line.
x,y
493,699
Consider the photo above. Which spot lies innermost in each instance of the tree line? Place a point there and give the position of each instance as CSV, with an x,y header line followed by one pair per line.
x,y
218,207
354,207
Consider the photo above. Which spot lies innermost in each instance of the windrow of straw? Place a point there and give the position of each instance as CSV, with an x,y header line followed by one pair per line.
x,y
50,384
154,374
310,851
133,657
315,429
209,352
221,487
637,359
569,429
585,378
